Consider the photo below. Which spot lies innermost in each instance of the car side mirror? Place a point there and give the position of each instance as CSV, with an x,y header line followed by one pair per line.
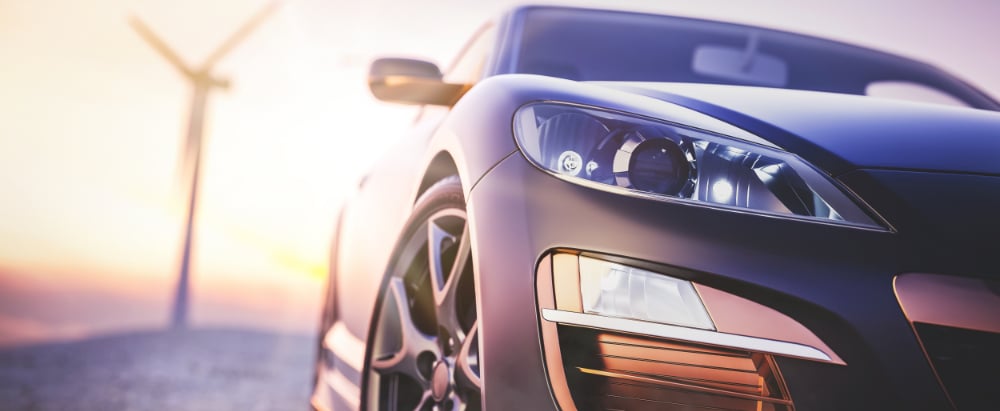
x,y
409,81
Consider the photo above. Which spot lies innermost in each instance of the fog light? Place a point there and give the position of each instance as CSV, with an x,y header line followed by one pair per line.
x,y
615,290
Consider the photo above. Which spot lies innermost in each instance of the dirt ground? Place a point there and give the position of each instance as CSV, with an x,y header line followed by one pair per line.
x,y
167,370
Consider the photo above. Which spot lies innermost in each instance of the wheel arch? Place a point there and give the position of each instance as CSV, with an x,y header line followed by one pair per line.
x,y
442,165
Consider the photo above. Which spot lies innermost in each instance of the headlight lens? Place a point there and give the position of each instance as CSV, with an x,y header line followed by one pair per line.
x,y
666,160
615,290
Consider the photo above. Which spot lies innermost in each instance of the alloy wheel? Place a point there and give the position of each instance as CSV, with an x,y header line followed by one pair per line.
x,y
425,349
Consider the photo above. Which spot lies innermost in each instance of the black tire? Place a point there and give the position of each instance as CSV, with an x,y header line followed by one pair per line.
x,y
423,351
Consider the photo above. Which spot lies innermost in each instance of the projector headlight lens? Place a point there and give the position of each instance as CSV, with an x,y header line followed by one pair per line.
x,y
668,160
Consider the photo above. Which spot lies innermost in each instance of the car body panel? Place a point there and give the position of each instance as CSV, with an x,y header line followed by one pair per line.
x,y
948,219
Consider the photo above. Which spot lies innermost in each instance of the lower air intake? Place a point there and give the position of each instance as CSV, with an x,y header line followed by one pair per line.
x,y
607,371
967,362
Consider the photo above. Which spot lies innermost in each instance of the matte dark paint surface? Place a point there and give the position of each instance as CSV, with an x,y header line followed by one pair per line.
x,y
949,221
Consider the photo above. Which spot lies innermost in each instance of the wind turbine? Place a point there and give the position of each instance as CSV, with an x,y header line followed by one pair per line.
x,y
202,82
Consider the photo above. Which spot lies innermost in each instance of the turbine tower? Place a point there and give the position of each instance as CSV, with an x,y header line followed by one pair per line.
x,y
202,82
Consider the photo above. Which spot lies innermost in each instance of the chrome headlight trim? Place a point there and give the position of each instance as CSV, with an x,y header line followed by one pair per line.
x,y
675,332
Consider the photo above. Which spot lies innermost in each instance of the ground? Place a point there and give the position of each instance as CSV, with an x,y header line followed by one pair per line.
x,y
161,370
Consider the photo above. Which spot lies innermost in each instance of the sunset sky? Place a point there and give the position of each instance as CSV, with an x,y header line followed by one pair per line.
x,y
92,120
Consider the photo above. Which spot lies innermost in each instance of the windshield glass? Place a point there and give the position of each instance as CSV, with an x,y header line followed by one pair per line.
x,y
603,45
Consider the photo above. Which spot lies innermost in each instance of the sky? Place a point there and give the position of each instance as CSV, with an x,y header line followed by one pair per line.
x,y
92,121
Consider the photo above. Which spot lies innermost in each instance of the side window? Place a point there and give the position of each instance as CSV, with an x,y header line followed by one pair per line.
x,y
468,67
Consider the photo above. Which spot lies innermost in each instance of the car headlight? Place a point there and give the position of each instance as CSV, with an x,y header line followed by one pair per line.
x,y
616,290
664,159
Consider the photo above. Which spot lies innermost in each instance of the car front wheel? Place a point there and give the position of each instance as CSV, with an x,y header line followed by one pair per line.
x,y
424,352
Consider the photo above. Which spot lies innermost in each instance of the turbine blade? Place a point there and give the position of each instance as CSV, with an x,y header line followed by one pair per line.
x,y
160,46
241,33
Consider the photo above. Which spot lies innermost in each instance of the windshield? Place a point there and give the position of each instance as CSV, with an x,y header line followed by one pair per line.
x,y
600,45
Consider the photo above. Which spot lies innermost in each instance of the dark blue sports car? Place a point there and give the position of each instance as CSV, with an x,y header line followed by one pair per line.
x,y
622,211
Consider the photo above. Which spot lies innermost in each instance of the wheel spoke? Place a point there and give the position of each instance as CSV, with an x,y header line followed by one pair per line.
x,y
425,401
446,288
461,257
413,341
437,237
467,363
407,256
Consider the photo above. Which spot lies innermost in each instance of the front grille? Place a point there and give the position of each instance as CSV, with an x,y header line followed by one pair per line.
x,y
966,361
617,372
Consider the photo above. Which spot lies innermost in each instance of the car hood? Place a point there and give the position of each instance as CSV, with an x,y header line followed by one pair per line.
x,y
839,132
